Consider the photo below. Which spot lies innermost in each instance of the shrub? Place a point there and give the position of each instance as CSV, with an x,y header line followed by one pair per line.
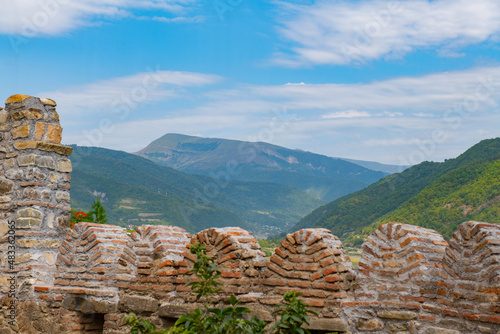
x,y
207,320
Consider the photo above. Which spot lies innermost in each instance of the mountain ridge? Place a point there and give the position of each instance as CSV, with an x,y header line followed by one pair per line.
x,y
322,176
414,196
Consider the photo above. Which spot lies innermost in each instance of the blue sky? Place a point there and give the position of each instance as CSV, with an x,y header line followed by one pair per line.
x,y
396,82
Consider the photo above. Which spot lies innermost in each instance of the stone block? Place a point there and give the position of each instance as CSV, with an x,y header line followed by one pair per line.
x,y
17,98
54,134
62,196
3,116
21,131
59,149
6,186
138,304
29,213
23,223
26,160
48,102
436,330
32,113
175,311
8,164
40,130
370,325
28,243
64,165
398,327
4,228
24,145
23,258
325,324
45,162
88,306
399,315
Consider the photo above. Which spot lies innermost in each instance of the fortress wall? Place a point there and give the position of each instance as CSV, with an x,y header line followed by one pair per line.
x,y
411,280
86,279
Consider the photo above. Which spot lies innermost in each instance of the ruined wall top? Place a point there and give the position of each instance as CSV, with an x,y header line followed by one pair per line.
x,y
34,190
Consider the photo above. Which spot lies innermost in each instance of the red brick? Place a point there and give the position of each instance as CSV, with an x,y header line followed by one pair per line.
x,y
332,278
230,274
279,252
276,259
328,271
300,284
306,267
315,302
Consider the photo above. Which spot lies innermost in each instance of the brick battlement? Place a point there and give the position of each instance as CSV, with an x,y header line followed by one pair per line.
x,y
86,279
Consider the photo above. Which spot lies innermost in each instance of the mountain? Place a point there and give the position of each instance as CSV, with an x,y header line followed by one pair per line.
x,y
137,191
434,195
321,176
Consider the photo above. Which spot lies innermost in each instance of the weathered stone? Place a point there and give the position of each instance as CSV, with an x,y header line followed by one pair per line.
x,y
26,160
21,132
54,134
369,325
6,186
54,116
484,329
32,113
29,213
64,165
400,315
48,102
3,116
50,220
397,327
23,258
436,330
27,243
59,149
23,223
8,164
62,196
175,311
24,145
17,98
88,306
325,324
50,258
4,228
138,304
45,162
40,130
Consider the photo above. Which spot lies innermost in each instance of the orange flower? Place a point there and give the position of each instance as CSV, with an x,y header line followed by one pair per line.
x,y
80,215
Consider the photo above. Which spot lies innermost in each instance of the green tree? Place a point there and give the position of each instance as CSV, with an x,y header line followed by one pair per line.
x,y
97,214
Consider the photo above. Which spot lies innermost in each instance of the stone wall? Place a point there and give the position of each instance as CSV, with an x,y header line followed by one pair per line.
x,y
86,279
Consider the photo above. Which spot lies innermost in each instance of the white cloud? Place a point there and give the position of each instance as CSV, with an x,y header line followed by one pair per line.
x,y
346,114
341,32
31,18
130,92
363,121
180,19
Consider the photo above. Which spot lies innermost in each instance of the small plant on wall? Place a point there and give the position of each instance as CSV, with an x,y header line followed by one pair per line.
x,y
208,320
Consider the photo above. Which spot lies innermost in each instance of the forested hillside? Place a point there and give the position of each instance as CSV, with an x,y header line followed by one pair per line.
x,y
434,195
137,191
